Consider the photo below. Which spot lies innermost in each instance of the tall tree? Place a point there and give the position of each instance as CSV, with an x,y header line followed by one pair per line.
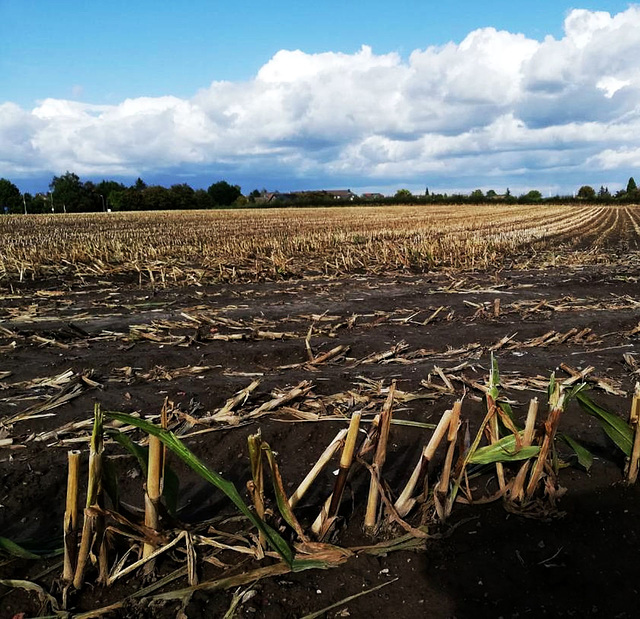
x,y
631,185
10,197
586,192
532,196
104,189
183,196
72,196
403,194
224,194
202,199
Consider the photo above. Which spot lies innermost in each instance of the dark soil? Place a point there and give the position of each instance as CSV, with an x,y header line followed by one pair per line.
x,y
484,562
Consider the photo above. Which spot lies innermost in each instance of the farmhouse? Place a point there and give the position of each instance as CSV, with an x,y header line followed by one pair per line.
x,y
319,195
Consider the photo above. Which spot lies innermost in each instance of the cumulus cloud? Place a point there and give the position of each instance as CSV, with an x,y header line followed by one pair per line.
x,y
497,104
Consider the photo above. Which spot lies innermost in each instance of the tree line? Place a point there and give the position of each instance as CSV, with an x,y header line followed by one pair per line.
x,y
68,194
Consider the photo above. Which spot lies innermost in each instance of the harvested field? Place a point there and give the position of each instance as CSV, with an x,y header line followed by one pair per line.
x,y
289,322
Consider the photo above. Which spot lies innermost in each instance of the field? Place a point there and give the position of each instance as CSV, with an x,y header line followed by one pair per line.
x,y
312,317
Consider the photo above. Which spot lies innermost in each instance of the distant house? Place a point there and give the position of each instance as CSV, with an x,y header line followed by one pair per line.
x,y
320,195
372,196
267,197
340,194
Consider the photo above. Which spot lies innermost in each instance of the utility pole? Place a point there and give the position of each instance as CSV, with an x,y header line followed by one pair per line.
x,y
24,201
104,208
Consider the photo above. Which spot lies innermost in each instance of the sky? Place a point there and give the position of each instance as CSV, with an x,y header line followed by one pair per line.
x,y
292,95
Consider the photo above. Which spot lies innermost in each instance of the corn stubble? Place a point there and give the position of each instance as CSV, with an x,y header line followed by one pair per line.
x,y
527,482
187,247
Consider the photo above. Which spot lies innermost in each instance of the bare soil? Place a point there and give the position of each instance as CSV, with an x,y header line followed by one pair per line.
x,y
484,562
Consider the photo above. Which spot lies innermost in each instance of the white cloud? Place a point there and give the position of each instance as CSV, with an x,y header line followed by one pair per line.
x,y
611,85
496,104
610,159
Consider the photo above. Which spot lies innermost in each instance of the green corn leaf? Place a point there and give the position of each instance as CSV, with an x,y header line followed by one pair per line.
x,y
15,550
574,391
505,407
43,549
171,489
140,453
585,457
494,378
184,453
617,430
503,450
552,384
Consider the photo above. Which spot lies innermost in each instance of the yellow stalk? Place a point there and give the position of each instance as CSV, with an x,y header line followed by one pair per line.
x,y
71,516
371,515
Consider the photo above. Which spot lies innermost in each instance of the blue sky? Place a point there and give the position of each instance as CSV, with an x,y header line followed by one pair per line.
x,y
452,95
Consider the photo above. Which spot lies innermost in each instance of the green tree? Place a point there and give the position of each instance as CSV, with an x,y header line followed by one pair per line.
x,y
403,194
157,198
476,196
129,199
40,203
586,192
104,190
183,196
532,196
10,197
631,186
202,199
604,193
224,194
70,195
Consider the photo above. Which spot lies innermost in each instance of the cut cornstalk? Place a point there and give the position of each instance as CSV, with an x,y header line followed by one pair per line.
x,y
281,496
492,411
334,352
307,343
318,527
153,490
255,486
369,442
517,489
92,526
443,499
494,437
328,513
634,418
556,405
71,516
405,501
301,389
371,515
323,460
345,463
224,414
155,482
